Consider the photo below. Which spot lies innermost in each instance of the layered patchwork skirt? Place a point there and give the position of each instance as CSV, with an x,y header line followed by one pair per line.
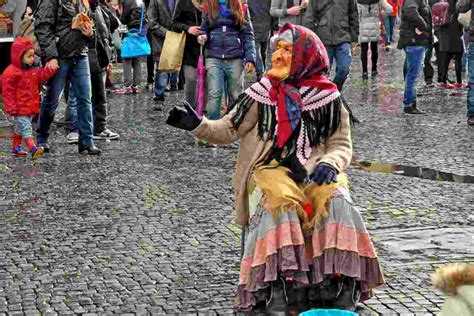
x,y
281,241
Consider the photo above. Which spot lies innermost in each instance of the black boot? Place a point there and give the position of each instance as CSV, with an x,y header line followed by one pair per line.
x,y
277,304
349,296
89,149
413,110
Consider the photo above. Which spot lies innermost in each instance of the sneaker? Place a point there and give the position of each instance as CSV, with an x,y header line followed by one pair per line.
x,y
374,73
72,138
46,147
36,152
173,87
159,102
18,152
135,89
365,76
460,86
149,86
413,110
429,84
124,90
388,47
444,85
470,121
107,134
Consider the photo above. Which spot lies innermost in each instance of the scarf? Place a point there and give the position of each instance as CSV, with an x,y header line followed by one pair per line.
x,y
301,111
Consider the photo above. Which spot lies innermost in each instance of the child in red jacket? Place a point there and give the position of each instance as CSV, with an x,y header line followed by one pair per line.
x,y
21,97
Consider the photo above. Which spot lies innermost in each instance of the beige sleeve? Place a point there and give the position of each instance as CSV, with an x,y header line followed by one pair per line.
x,y
338,151
222,132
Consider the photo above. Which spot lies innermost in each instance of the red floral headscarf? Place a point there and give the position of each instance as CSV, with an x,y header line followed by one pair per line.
x,y
309,65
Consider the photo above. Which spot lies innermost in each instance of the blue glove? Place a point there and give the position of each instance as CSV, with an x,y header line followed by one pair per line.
x,y
186,118
324,173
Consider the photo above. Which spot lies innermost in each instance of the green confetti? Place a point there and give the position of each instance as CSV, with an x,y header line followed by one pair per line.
x,y
16,183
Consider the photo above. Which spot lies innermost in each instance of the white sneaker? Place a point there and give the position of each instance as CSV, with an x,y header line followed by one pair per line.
x,y
72,138
107,134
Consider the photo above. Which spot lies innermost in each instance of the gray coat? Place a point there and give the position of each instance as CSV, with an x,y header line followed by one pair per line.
x,y
278,10
462,6
369,29
159,21
339,25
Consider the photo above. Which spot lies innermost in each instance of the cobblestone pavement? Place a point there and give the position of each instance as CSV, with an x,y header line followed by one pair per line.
x,y
148,228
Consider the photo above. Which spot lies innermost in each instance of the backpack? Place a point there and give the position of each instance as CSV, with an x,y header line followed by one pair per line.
x,y
440,14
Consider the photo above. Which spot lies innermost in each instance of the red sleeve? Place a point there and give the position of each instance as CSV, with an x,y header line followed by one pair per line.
x,y
9,85
44,73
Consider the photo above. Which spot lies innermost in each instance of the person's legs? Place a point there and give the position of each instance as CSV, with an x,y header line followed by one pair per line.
x,y
364,48
81,85
173,79
215,86
24,130
99,101
150,64
234,84
343,64
470,92
190,84
374,51
458,67
50,101
443,64
137,72
388,31
161,80
71,113
428,70
127,72
259,67
414,60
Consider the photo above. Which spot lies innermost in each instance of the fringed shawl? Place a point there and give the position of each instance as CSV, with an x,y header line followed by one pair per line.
x,y
320,118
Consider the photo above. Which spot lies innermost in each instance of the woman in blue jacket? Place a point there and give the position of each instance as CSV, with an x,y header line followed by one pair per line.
x,y
228,35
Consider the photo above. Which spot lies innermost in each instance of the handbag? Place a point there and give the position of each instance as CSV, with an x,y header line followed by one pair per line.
x,y
171,57
135,43
465,18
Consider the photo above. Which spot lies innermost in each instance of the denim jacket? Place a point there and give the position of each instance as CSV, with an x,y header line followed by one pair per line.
x,y
228,40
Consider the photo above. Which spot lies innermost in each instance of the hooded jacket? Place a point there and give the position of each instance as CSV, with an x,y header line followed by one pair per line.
x,y
20,85
369,20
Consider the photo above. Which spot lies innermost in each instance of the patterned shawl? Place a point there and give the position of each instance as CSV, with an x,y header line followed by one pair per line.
x,y
301,111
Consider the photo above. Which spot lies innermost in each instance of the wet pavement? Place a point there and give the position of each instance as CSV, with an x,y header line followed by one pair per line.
x,y
148,226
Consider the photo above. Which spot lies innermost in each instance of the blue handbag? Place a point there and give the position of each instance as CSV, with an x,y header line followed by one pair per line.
x,y
135,43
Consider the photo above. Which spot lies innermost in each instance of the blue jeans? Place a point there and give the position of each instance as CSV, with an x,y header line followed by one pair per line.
x,y
224,77
161,81
71,111
470,91
389,23
260,65
77,71
23,126
414,56
342,54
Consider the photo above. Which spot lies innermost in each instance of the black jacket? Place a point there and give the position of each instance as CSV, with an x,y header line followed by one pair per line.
x,y
131,14
415,14
186,15
340,23
53,30
263,23
159,21
100,53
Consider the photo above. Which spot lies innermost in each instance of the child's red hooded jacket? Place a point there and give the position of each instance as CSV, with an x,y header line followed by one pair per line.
x,y
20,86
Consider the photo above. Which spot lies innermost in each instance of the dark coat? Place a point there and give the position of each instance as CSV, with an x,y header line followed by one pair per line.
x,y
415,14
450,36
159,21
53,21
463,6
339,25
186,15
263,23
228,40
132,13
100,53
